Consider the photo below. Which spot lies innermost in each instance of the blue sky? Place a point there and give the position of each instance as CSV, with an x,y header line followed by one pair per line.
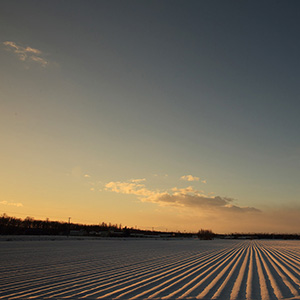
x,y
96,95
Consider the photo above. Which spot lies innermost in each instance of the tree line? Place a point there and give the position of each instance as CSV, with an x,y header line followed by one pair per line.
x,y
30,226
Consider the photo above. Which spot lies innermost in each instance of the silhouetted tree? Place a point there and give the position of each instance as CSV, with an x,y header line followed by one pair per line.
x,y
205,234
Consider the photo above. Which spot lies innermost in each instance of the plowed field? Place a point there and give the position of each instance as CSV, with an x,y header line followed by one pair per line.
x,y
150,269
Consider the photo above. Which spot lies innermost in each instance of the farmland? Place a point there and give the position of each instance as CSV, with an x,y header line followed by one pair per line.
x,y
146,269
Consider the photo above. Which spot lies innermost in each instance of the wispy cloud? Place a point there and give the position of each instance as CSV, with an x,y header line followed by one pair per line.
x,y
189,178
130,187
11,203
138,180
185,191
179,197
27,54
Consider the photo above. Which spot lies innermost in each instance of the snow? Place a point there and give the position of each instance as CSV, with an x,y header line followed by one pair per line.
x,y
149,269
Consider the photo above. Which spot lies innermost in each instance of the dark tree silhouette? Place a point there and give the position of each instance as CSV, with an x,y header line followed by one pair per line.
x,y
205,234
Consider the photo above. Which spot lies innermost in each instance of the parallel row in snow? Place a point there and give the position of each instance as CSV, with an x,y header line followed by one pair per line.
x,y
151,269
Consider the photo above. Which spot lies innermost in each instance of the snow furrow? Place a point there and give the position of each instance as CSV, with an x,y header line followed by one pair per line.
x,y
151,269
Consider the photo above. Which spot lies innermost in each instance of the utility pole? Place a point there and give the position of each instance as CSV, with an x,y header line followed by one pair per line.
x,y
69,226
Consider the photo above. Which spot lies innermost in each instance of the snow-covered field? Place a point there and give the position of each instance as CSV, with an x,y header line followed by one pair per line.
x,y
145,269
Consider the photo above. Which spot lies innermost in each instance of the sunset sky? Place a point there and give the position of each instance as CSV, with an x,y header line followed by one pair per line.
x,y
172,115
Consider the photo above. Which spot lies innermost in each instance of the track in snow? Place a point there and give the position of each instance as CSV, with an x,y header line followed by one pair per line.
x,y
150,269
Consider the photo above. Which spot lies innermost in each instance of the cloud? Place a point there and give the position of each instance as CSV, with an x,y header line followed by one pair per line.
x,y
39,60
11,203
86,176
189,178
132,188
185,197
32,50
138,180
189,207
26,54
199,201
185,191
164,176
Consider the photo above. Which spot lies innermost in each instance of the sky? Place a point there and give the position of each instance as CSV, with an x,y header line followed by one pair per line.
x,y
165,115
